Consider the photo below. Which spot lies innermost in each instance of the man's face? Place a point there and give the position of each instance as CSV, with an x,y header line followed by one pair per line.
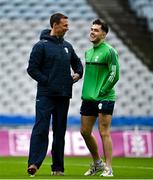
x,y
62,27
96,34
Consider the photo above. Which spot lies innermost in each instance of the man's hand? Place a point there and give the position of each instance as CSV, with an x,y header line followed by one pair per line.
x,y
75,77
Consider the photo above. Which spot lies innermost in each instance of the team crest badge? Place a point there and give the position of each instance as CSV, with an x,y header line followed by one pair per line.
x,y
96,58
66,50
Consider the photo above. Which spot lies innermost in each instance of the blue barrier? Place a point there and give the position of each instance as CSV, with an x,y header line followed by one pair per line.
x,y
72,121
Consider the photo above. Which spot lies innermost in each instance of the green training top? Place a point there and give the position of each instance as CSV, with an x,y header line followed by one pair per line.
x,y
101,73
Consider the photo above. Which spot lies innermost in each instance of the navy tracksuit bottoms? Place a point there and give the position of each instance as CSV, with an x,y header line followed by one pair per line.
x,y
47,107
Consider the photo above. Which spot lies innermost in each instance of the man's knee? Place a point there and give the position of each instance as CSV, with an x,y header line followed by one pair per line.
x,y
104,132
85,133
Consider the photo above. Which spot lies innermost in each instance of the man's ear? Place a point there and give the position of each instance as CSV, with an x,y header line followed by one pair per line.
x,y
104,34
54,24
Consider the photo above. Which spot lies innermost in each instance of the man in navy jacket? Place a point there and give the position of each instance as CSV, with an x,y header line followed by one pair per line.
x,y
50,65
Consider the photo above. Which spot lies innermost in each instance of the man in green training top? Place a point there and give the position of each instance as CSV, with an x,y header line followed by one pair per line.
x,y
98,97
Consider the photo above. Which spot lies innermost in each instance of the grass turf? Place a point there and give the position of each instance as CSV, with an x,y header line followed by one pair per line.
x,y
124,168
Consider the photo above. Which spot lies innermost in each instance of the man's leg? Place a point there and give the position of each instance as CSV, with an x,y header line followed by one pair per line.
x,y
39,137
59,124
89,113
87,123
104,129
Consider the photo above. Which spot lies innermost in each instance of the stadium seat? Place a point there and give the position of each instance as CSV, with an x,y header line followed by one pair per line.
x,y
21,23
143,9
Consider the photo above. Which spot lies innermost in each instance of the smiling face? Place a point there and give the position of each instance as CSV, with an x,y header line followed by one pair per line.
x,y
96,34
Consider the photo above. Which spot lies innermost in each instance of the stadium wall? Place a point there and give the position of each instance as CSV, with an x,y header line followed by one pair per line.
x,y
137,143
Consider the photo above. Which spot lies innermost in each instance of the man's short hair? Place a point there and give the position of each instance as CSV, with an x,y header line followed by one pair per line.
x,y
55,18
104,26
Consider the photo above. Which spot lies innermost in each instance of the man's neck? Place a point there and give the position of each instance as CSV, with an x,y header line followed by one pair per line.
x,y
53,33
98,43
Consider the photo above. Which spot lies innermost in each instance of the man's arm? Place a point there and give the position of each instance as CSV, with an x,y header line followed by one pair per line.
x,y
113,77
76,66
35,63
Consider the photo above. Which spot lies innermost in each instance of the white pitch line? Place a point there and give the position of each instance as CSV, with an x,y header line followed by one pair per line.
x,y
85,165
123,167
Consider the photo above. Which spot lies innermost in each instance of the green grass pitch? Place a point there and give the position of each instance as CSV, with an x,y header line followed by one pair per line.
x,y
124,168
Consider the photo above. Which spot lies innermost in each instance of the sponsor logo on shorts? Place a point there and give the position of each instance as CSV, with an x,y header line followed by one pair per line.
x,y
100,106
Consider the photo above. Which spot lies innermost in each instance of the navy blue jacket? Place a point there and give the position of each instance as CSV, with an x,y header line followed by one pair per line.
x,y
50,65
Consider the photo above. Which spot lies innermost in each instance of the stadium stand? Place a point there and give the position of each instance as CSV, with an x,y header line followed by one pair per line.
x,y
21,23
143,9
133,30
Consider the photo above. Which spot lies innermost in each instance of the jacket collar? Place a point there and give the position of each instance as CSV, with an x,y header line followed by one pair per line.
x,y
45,34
